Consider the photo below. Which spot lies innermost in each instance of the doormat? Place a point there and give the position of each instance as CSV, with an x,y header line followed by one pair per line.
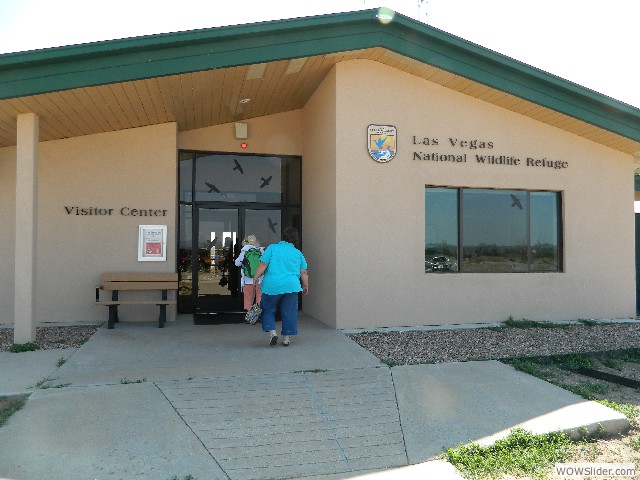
x,y
218,318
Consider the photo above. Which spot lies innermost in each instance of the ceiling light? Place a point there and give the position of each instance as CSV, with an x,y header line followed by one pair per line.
x,y
256,71
295,65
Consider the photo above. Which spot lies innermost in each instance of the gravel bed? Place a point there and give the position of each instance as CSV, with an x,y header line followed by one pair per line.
x,y
441,346
48,338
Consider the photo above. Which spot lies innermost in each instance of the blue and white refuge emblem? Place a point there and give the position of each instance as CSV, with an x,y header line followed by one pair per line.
x,y
382,142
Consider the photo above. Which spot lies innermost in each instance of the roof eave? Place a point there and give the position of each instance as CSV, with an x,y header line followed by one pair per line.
x,y
100,63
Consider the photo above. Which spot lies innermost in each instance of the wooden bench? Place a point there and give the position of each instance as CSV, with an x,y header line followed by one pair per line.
x,y
136,282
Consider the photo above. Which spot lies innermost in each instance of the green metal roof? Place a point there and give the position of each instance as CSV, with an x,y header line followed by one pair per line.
x,y
55,69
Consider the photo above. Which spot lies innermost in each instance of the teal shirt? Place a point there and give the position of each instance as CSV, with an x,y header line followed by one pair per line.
x,y
283,273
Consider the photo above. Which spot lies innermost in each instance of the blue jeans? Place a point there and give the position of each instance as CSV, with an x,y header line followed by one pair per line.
x,y
288,305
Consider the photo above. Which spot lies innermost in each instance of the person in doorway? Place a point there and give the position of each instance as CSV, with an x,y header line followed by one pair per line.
x,y
285,274
233,272
248,260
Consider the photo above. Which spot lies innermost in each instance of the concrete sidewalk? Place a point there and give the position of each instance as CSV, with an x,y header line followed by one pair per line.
x,y
216,402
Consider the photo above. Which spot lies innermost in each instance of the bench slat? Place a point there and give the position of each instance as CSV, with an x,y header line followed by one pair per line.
x,y
138,277
130,285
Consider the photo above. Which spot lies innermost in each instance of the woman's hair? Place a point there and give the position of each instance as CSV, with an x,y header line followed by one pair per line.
x,y
251,240
291,235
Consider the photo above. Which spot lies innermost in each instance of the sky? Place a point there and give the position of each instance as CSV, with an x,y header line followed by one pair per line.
x,y
589,42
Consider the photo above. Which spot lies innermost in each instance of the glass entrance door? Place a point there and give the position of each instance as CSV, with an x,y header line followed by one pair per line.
x,y
225,197
265,224
217,282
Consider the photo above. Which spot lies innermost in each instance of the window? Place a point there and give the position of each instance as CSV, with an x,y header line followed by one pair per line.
x,y
487,230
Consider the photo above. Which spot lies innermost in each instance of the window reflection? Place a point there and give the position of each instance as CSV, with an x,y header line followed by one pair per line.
x,y
236,178
185,178
495,230
266,225
545,246
499,230
185,251
441,230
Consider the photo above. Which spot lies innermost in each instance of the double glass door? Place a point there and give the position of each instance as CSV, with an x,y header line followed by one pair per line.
x,y
225,197
218,240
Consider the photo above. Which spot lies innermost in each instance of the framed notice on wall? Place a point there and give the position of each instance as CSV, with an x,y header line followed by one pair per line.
x,y
152,243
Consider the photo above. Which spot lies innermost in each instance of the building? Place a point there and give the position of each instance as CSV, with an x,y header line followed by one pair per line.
x,y
433,181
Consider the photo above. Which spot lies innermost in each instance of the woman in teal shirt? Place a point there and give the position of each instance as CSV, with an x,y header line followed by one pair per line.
x,y
285,274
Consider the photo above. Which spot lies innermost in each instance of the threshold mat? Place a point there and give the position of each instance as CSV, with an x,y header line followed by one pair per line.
x,y
217,318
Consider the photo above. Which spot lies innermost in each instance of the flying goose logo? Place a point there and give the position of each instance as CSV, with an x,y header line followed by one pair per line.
x,y
382,142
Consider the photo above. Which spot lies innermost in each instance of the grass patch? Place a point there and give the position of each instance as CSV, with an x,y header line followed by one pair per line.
x,y
586,390
589,323
520,453
10,405
59,385
574,361
611,362
630,355
528,365
389,362
42,384
555,369
24,347
524,323
60,362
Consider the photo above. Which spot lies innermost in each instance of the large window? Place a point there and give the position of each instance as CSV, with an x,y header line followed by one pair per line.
x,y
485,230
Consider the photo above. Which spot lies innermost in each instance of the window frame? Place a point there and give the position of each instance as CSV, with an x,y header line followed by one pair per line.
x,y
459,191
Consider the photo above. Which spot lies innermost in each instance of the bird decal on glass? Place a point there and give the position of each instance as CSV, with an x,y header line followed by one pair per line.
x,y
516,202
212,187
238,166
265,181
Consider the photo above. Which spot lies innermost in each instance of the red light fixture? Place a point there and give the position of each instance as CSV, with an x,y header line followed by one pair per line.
x,y
243,145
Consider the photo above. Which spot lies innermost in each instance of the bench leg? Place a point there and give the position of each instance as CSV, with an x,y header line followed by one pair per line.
x,y
114,297
113,315
163,316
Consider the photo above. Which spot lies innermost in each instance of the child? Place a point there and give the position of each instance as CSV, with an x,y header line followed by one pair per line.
x,y
249,259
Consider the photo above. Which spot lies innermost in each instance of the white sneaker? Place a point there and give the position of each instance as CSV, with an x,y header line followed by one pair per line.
x,y
285,341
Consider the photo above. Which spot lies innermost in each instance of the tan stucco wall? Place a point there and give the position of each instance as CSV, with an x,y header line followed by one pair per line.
x,y
380,209
279,134
133,168
319,202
